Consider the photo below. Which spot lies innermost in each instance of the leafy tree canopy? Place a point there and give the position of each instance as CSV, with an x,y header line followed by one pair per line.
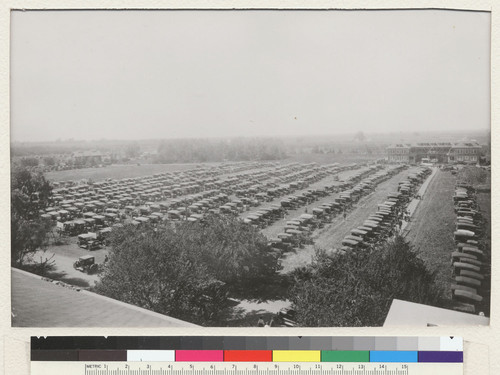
x,y
357,289
473,175
30,193
188,271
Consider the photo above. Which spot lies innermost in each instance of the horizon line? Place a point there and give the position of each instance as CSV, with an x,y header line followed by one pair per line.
x,y
249,136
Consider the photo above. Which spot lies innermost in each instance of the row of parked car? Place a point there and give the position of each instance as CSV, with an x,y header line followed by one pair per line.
x,y
93,226
171,185
297,231
381,224
92,209
468,260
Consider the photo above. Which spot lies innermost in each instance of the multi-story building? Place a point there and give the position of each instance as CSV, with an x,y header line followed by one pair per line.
x,y
399,153
465,152
442,152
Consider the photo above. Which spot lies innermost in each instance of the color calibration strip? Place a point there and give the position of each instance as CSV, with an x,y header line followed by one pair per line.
x,y
248,356
249,349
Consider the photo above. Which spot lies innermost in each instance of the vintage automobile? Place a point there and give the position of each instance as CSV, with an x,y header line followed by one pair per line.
x,y
86,264
89,241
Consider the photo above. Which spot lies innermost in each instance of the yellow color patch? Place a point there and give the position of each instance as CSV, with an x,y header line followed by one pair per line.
x,y
296,355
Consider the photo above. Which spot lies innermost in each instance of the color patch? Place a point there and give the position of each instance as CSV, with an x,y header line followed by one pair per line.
x,y
151,355
248,356
451,343
54,355
199,355
393,356
102,355
296,356
440,357
345,356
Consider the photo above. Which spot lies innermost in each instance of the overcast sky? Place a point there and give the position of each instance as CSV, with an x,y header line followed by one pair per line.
x,y
170,74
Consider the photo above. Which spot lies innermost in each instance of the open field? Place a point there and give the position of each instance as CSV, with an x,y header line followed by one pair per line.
x,y
115,171
333,158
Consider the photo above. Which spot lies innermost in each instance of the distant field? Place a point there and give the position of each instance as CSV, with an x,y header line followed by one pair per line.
x,y
116,171
333,158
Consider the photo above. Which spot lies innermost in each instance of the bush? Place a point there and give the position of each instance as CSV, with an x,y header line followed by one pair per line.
x,y
357,289
472,175
188,271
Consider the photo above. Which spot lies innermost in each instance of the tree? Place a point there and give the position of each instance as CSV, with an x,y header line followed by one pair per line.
x,y
473,175
30,193
153,270
235,253
49,161
187,271
207,150
357,288
359,136
29,162
27,237
132,150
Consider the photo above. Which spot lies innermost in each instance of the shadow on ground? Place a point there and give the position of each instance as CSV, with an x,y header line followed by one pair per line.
x,y
50,273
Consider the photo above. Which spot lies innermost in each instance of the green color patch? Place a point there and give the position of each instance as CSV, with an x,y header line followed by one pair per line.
x,y
345,356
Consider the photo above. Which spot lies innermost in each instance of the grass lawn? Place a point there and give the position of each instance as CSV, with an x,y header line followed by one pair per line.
x,y
116,171
431,234
432,226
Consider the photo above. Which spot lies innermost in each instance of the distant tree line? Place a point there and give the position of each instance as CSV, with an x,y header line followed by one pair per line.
x,y
217,150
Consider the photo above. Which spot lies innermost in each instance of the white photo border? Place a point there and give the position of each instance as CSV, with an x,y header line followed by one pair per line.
x,y
482,344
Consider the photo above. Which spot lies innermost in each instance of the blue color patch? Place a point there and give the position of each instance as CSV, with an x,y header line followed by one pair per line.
x,y
393,356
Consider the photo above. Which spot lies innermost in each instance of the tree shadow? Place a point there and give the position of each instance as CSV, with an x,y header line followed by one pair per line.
x,y
271,289
242,318
49,272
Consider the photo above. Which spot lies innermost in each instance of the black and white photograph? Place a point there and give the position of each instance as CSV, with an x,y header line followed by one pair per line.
x,y
250,168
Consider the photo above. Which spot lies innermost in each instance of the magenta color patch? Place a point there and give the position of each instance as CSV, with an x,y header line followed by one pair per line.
x,y
199,355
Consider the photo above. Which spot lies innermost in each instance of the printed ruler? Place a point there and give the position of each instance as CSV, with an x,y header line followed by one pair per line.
x,y
227,368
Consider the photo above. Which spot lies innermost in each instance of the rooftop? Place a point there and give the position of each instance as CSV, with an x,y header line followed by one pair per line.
x,y
404,313
37,302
